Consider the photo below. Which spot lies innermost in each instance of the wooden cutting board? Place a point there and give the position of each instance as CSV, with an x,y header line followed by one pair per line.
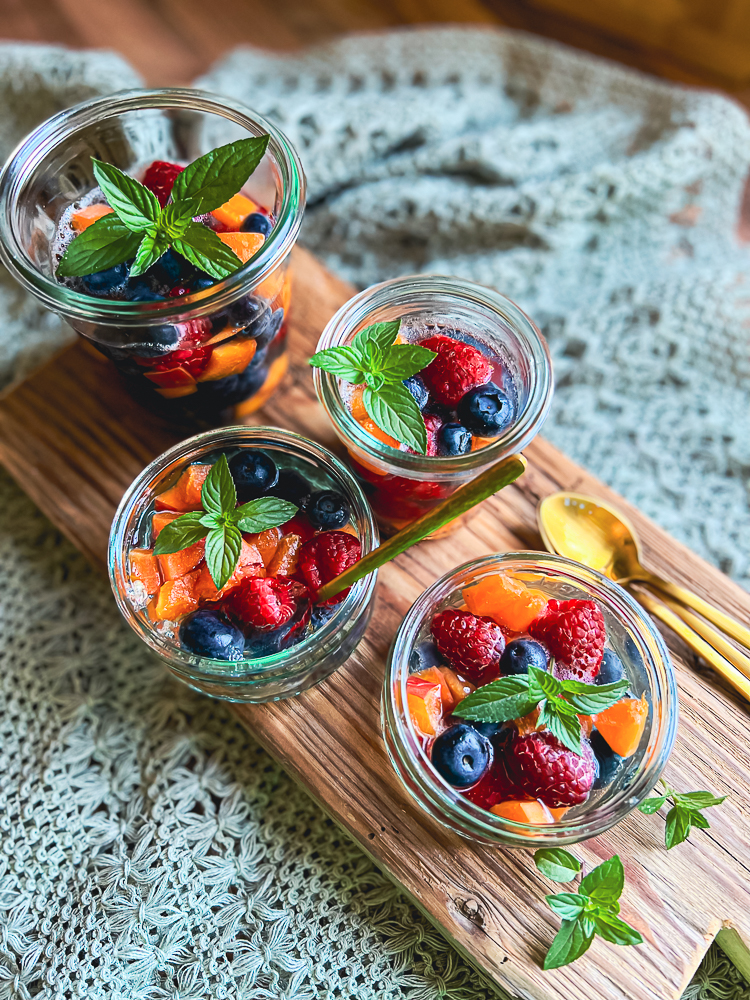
x,y
74,441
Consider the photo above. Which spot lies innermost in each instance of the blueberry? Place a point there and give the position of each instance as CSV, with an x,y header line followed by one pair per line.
x,y
486,729
210,633
611,669
608,761
290,486
259,644
424,656
245,311
418,389
453,439
328,510
139,291
171,267
254,472
202,284
105,282
153,341
461,755
521,654
321,614
486,411
256,222
267,327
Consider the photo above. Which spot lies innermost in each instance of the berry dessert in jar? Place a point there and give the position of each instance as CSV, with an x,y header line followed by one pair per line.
x,y
163,244
528,699
217,553
428,381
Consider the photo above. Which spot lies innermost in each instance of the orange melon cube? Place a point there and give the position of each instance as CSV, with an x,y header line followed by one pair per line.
x,y
459,687
234,212
229,358
266,542
435,676
160,519
622,724
558,812
175,391
176,564
480,442
509,602
176,598
144,568
284,562
245,245
533,812
86,217
424,703
185,495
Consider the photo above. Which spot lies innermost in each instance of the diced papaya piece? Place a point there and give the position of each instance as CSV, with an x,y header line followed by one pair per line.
x,y
480,442
275,374
173,378
229,358
266,542
459,686
622,724
533,812
225,334
435,676
234,212
176,598
178,390
176,564
587,724
284,562
509,602
160,519
86,217
245,245
185,495
249,564
423,698
145,569
559,812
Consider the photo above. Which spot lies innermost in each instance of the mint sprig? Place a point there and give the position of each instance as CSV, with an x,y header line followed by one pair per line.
x,y
686,812
561,702
142,230
374,361
221,523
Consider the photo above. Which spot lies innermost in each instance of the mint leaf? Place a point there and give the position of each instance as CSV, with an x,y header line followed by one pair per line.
x,y
684,814
395,411
218,494
548,683
557,864
134,204
499,701
223,546
380,335
567,905
616,931
104,244
203,248
214,178
180,534
652,805
605,883
266,512
697,800
572,940
677,830
153,246
566,728
344,362
594,699
403,361
176,217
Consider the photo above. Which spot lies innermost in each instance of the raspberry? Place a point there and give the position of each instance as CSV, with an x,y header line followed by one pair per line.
x,y
160,178
193,361
574,634
545,769
457,368
265,602
325,556
471,645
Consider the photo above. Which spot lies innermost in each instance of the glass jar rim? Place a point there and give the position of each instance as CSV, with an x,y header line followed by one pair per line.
x,y
286,661
473,818
353,314
35,146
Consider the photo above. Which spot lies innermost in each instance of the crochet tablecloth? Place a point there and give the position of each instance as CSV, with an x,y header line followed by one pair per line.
x,y
148,847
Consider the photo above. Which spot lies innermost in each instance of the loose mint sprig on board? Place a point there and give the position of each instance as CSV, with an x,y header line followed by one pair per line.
x,y
221,523
374,361
140,228
684,814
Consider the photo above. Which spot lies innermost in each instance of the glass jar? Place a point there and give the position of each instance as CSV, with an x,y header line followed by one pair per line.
x,y
400,485
268,678
633,637
242,319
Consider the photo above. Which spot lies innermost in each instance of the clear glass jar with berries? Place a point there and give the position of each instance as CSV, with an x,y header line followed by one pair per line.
x,y
528,701
483,396
187,342
238,619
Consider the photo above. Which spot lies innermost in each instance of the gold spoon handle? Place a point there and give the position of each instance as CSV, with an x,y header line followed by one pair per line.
x,y
696,643
709,633
684,596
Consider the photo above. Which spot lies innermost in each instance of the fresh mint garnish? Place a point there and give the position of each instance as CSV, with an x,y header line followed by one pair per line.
x,y
375,362
561,702
557,864
221,523
590,911
686,812
140,228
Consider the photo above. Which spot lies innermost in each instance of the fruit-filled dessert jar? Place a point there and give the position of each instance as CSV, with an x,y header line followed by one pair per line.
x,y
199,347
298,518
483,397
528,701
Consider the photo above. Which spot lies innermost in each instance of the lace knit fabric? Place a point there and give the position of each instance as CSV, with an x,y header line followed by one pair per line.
x,y
149,848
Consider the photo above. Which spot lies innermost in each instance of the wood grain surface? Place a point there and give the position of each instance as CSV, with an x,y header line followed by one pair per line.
x,y
74,441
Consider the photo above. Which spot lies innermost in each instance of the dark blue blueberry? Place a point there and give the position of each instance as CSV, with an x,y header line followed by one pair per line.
x,y
202,283
210,633
328,509
267,327
245,311
521,654
153,341
486,411
140,291
453,439
611,669
320,614
424,656
608,762
290,486
256,222
254,472
461,755
259,644
105,282
172,268
486,729
418,389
